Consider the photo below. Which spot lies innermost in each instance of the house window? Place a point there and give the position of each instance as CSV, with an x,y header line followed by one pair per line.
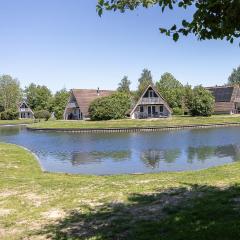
x,y
141,109
161,108
150,93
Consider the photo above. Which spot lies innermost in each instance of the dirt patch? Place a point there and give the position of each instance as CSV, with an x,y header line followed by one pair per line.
x,y
54,214
5,212
9,233
34,199
7,193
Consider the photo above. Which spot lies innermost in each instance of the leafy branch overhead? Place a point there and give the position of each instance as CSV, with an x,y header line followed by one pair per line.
x,y
212,19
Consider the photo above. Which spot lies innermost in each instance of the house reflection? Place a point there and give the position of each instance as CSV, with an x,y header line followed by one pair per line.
x,y
79,158
152,157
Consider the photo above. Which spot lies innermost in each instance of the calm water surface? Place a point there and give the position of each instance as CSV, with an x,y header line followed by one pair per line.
x,y
129,152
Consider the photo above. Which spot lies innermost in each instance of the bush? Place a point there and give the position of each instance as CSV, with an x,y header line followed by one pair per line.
x,y
42,114
201,102
9,115
178,111
111,107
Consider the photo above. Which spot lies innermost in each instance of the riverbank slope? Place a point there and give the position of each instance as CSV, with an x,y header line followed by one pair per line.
x,y
188,205
129,123
16,122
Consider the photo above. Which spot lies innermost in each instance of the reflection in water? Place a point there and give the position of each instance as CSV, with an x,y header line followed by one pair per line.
x,y
152,158
9,131
203,153
129,152
97,157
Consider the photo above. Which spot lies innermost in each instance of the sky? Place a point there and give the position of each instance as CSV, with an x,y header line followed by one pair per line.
x,y
64,43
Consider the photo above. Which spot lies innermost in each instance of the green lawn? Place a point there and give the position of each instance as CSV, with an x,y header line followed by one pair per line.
x,y
181,120
15,122
165,206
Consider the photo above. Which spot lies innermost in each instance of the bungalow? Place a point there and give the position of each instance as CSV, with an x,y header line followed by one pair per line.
x,y
150,105
227,99
25,111
79,102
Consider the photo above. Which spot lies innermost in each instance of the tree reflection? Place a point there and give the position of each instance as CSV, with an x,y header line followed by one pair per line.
x,y
10,131
205,152
79,158
152,158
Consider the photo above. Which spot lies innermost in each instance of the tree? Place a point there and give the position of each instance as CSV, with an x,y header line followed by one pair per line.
x,y
234,78
59,102
201,103
144,81
10,92
171,90
42,114
212,19
124,85
114,106
188,95
38,97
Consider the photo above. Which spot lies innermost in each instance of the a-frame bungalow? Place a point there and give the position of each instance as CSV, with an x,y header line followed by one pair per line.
x,y
227,99
79,102
25,111
151,105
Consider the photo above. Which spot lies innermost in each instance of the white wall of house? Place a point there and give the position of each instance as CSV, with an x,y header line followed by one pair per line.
x,y
160,110
73,113
25,114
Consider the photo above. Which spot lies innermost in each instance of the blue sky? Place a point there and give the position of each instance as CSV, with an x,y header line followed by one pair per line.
x,y
63,43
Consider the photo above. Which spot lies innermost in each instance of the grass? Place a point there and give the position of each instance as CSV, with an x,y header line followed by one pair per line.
x,y
188,205
127,123
15,122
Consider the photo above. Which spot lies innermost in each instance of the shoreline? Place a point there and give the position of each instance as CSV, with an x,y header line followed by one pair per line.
x,y
135,129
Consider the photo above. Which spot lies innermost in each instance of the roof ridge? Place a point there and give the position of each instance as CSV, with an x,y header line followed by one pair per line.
x,y
91,89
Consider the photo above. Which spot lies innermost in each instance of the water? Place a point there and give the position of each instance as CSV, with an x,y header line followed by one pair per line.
x,y
129,152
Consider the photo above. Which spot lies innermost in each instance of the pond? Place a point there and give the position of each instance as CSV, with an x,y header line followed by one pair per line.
x,y
117,153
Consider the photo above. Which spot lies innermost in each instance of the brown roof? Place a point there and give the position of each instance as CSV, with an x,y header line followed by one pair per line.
x,y
225,93
222,94
84,97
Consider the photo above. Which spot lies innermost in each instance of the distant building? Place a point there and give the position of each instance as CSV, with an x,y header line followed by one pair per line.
x,y
151,105
227,99
80,100
25,111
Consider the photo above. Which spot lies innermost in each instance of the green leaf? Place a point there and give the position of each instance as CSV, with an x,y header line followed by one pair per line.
x,y
184,23
175,37
162,30
174,27
101,2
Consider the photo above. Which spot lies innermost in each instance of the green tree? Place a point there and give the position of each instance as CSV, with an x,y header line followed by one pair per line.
x,y
144,81
38,97
201,102
171,90
114,106
42,114
188,95
211,19
10,92
59,102
124,85
234,78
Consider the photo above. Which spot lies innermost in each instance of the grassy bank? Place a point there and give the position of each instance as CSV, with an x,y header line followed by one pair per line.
x,y
15,122
127,123
190,205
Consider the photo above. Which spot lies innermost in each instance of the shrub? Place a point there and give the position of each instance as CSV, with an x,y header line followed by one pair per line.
x,y
111,107
42,114
178,111
201,102
9,115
